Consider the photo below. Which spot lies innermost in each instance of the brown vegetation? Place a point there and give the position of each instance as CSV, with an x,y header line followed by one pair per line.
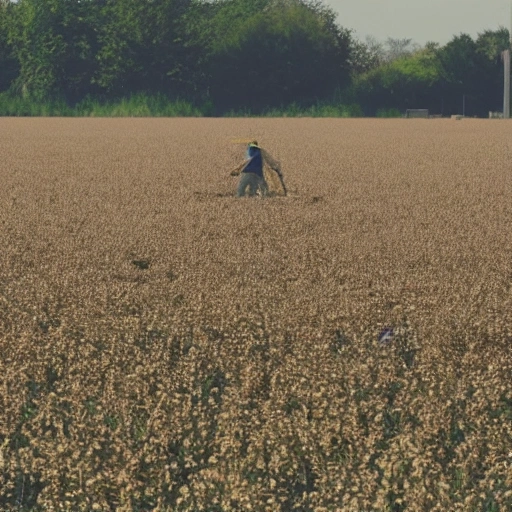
x,y
165,346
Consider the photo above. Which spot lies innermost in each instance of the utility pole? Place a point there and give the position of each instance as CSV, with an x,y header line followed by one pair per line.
x,y
506,85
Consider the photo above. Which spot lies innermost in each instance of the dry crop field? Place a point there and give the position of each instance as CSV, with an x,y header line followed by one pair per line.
x,y
166,346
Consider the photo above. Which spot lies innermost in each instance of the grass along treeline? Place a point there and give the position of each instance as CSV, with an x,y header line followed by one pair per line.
x,y
138,105
143,105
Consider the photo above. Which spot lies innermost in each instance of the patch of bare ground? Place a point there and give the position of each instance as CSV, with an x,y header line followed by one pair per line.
x,y
166,346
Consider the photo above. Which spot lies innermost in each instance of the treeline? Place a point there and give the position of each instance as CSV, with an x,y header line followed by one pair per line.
x,y
248,56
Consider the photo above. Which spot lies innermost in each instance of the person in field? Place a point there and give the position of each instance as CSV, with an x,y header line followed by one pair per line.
x,y
251,173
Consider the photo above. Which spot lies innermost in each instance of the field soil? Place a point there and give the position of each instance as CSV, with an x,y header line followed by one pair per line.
x,y
167,346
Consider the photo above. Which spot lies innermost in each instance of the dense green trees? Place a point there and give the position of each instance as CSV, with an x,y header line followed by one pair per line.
x,y
110,47
146,47
236,54
9,67
464,76
53,42
276,52
407,82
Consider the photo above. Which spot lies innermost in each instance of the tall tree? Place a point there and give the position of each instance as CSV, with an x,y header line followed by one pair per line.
x,y
489,88
459,62
366,55
399,48
147,46
8,63
55,43
371,53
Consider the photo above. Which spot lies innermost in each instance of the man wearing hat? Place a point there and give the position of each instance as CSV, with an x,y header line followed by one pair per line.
x,y
251,172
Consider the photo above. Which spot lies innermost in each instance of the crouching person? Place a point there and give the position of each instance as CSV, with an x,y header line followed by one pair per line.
x,y
251,173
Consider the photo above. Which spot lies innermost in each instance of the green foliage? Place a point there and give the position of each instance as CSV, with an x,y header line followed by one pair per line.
x,y
437,78
146,47
490,44
230,57
21,106
421,68
282,53
365,56
324,109
474,69
404,83
55,44
318,110
8,63
137,105
388,113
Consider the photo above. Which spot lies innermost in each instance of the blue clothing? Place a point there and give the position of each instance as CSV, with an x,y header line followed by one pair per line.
x,y
256,164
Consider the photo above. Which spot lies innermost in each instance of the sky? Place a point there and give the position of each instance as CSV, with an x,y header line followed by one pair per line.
x,y
421,20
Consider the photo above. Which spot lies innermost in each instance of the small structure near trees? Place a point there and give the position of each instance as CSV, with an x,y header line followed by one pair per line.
x,y
413,113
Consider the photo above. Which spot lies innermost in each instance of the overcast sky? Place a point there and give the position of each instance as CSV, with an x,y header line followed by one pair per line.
x,y
421,20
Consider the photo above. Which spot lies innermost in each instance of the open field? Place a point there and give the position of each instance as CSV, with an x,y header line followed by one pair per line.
x,y
166,346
